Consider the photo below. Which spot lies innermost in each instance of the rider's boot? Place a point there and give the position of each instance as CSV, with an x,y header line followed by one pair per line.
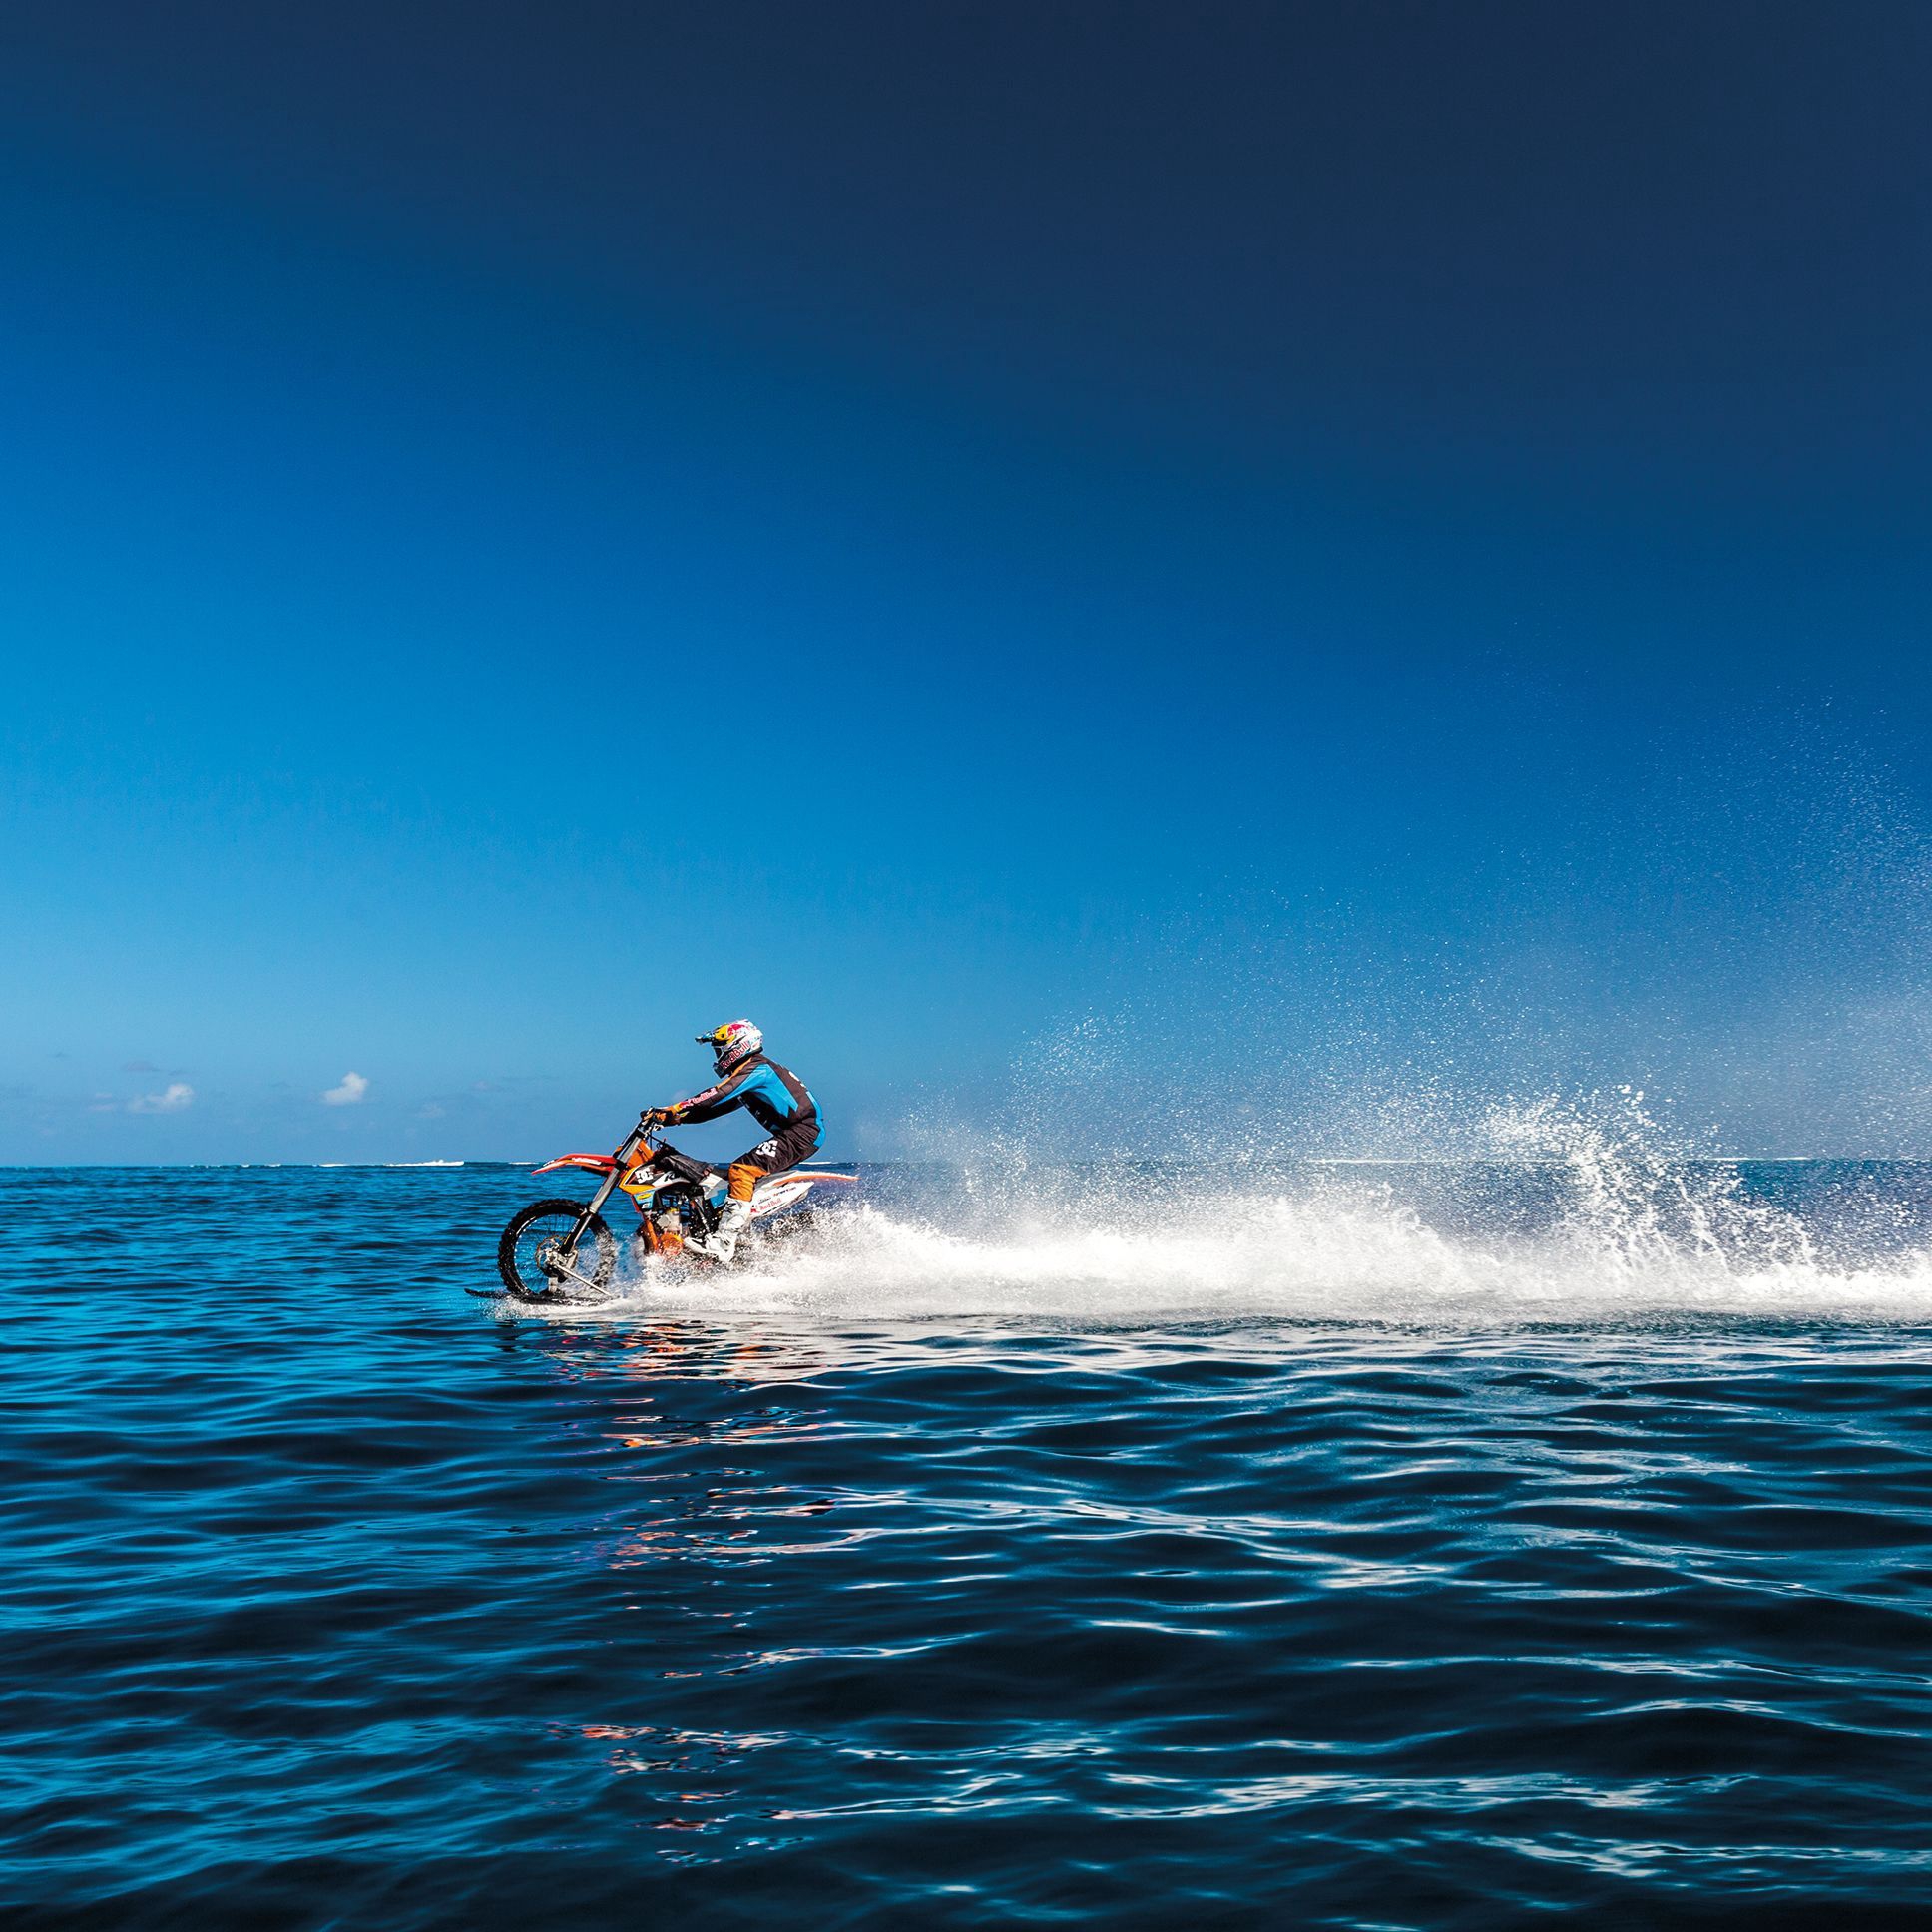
x,y
722,1245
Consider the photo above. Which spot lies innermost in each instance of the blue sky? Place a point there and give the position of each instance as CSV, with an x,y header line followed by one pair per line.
x,y
1301,550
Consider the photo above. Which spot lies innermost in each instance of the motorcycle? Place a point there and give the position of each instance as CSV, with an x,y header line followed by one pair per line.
x,y
554,1247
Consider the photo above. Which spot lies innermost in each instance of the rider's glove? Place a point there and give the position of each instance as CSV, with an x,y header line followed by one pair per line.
x,y
652,1117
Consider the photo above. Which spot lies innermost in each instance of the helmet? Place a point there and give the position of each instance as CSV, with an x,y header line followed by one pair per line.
x,y
735,1040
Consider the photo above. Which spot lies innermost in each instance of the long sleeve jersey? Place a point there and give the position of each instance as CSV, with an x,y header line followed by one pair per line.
x,y
772,1095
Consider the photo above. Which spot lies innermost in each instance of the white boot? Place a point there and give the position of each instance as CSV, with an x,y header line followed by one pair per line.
x,y
723,1244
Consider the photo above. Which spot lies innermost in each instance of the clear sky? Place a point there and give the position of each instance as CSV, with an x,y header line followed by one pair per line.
x,y
1234,559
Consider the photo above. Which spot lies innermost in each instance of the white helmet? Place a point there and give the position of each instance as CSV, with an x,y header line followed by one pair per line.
x,y
734,1041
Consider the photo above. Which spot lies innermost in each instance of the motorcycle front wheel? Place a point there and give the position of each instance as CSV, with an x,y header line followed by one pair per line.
x,y
539,1261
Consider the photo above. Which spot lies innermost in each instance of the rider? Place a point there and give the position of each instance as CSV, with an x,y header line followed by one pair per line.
x,y
772,1095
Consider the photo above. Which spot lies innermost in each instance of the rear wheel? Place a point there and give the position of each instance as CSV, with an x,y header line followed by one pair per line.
x,y
540,1261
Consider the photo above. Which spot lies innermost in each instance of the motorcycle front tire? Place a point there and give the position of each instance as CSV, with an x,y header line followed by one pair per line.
x,y
595,1259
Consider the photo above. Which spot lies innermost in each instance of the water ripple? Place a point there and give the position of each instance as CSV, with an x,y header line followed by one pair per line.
x,y
332,1599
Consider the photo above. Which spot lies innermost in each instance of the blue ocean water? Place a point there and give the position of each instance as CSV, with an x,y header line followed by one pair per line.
x,y
1349,1548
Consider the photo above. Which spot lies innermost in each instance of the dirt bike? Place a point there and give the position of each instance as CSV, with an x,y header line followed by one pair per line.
x,y
554,1249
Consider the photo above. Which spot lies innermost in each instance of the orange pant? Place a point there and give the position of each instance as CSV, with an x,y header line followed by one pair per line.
x,y
785,1148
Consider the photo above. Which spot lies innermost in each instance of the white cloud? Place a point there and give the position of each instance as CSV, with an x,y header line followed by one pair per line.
x,y
432,1109
351,1090
171,1099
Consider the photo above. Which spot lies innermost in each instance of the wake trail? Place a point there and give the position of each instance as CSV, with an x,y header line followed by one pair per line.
x,y
1573,1213
1291,1258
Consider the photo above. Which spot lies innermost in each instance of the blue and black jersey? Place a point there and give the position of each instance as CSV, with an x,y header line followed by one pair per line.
x,y
772,1095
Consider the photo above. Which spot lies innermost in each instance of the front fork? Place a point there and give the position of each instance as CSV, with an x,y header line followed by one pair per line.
x,y
594,1205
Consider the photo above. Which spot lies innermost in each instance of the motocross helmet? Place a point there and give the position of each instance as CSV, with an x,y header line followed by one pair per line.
x,y
734,1041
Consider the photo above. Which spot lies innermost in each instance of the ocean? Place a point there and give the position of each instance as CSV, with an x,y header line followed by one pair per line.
x,y
1406,1545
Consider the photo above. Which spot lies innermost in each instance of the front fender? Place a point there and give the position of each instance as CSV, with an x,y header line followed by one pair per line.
x,y
595,1163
